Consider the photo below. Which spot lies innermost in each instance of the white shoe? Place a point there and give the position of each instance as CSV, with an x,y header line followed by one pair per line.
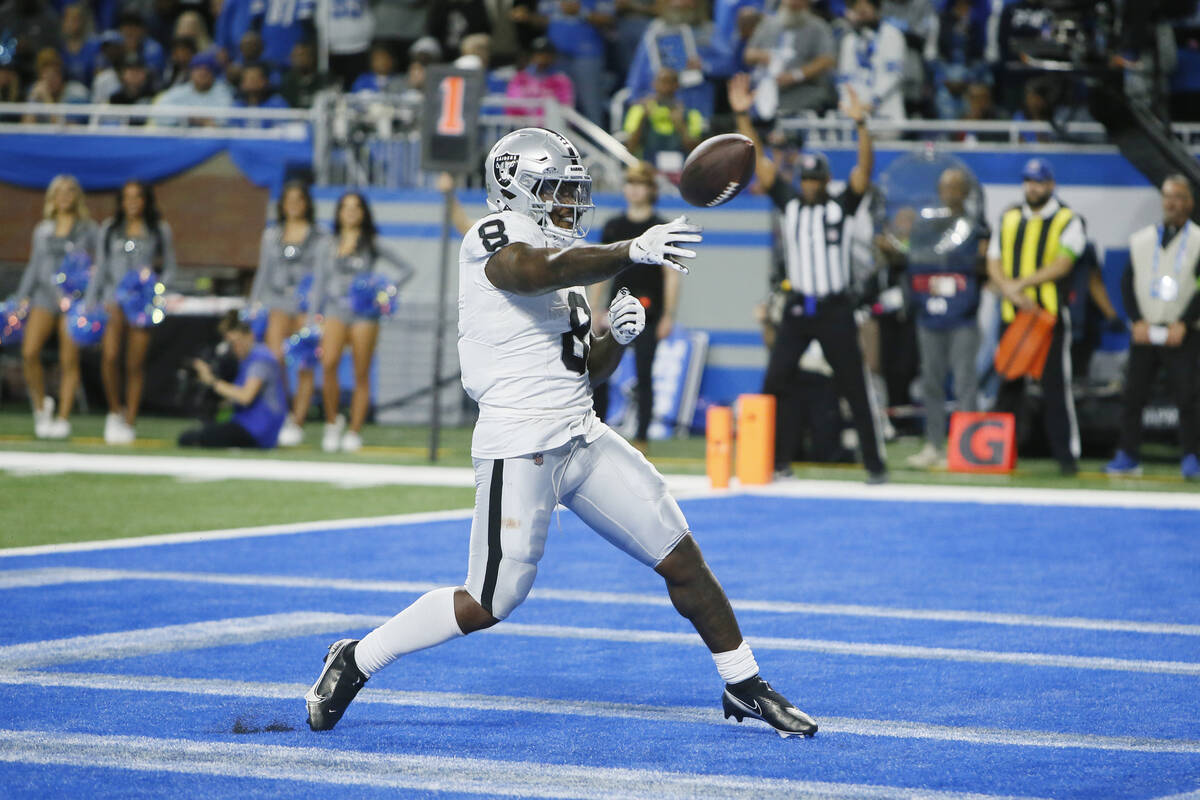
x,y
351,442
290,434
331,439
58,428
112,427
928,457
123,434
43,418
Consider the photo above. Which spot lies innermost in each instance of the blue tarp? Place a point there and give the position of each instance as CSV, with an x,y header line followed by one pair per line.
x,y
106,162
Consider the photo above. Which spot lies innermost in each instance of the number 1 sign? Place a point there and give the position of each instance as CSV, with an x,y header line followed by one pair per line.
x,y
449,125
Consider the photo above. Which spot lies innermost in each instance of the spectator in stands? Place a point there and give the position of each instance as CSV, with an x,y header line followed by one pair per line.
x,y
356,249
235,18
1038,106
945,294
981,108
137,88
10,87
730,34
105,78
161,16
301,82
203,88
1163,304
250,50
476,52
541,78
282,26
656,287
382,76
792,55
53,87
660,129
451,21
399,24
349,32
254,91
680,38
576,29
633,17
66,226
35,26
179,64
871,60
289,253
191,25
259,393
918,21
135,238
132,28
77,50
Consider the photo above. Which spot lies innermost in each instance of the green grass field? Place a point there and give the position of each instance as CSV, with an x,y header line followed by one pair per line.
x,y
39,509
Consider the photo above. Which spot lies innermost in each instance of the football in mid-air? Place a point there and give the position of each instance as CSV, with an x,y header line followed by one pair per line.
x,y
717,170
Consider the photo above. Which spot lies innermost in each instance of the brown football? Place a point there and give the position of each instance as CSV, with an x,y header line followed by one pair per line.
x,y
717,170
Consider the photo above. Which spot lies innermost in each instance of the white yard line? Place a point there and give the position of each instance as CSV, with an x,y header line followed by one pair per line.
x,y
245,630
898,729
172,638
49,576
427,773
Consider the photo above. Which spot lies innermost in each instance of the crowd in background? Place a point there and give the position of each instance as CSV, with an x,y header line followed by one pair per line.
x,y
934,59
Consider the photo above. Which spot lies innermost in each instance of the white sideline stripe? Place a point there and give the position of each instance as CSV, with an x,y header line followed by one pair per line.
x,y
197,635
171,638
1185,796
340,473
898,729
327,525
430,773
854,649
988,495
47,576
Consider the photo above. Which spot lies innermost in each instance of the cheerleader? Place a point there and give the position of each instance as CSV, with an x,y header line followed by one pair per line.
x,y
135,238
66,227
289,252
355,250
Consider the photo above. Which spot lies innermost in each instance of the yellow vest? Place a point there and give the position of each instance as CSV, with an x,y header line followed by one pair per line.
x,y
1026,244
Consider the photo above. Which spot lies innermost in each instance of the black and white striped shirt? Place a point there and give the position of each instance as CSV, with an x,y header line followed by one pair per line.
x,y
816,240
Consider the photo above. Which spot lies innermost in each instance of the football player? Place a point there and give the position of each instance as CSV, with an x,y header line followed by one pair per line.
x,y
528,359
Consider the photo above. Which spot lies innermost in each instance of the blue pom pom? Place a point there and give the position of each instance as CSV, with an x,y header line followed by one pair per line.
x,y
373,295
303,293
73,276
12,321
86,324
140,296
256,317
303,348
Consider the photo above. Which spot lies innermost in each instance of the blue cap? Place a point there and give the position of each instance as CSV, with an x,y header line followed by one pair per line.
x,y
1037,169
206,59
111,37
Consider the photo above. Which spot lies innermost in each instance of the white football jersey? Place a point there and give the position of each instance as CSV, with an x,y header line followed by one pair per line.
x,y
524,359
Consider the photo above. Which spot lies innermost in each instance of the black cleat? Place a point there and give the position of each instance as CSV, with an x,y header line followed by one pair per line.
x,y
336,686
755,698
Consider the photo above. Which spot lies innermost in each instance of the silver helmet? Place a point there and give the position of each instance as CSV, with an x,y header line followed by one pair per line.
x,y
534,171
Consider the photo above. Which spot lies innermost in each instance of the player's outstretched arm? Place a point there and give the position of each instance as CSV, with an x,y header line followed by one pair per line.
x,y
522,269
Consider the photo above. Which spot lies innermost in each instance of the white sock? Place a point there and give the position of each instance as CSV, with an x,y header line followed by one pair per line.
x,y
427,622
736,665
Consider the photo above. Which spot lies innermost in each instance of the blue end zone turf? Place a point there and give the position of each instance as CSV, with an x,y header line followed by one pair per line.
x,y
1041,687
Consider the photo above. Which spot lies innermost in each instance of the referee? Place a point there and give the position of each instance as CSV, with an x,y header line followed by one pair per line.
x,y
816,245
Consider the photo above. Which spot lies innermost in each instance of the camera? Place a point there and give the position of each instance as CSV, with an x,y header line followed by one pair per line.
x,y
192,396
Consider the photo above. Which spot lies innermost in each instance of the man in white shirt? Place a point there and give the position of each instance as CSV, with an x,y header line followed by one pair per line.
x,y
528,358
871,61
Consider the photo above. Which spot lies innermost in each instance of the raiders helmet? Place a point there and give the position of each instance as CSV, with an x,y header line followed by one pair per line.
x,y
533,171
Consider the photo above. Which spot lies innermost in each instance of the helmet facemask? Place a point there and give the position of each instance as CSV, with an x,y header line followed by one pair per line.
x,y
563,205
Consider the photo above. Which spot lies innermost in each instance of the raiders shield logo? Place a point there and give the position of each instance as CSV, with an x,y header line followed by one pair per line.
x,y
504,168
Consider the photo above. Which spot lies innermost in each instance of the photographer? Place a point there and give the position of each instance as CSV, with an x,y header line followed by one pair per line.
x,y
258,393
